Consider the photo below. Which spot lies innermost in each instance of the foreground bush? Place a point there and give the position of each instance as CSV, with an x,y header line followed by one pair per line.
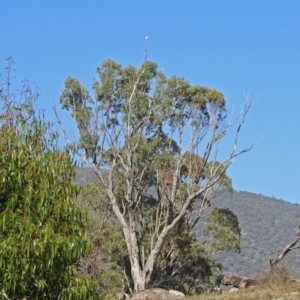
x,y
42,227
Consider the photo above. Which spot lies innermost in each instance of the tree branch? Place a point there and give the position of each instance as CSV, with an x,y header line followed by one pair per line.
x,y
289,247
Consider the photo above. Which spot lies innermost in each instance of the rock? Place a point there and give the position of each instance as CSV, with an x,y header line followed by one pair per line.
x,y
176,293
236,280
157,294
233,290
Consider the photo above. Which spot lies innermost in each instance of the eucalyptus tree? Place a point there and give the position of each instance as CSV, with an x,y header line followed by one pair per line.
x,y
153,142
42,227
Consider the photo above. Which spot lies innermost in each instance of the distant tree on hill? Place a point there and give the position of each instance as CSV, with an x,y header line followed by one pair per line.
x,y
146,130
223,231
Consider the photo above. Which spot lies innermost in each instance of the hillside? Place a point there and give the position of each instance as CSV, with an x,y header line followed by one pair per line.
x,y
267,225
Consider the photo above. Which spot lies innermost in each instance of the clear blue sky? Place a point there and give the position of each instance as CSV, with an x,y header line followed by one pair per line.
x,y
233,46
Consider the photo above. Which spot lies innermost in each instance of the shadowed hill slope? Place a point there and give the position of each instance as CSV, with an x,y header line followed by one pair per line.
x,y
267,226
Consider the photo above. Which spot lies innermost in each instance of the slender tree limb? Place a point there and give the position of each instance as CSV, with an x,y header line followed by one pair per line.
x,y
289,247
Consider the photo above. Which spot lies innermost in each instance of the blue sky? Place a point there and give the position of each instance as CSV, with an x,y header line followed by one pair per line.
x,y
234,46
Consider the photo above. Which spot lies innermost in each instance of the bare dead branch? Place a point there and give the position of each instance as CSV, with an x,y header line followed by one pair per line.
x,y
289,247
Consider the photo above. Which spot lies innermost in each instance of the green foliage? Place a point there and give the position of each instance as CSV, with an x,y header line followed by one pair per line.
x,y
124,95
42,227
75,97
108,257
184,264
222,227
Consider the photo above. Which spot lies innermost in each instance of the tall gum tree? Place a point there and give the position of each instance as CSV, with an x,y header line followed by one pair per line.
x,y
143,130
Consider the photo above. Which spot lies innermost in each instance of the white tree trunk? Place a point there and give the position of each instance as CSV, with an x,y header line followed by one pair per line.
x,y
133,252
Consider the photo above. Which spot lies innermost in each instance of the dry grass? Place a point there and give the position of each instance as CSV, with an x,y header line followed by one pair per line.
x,y
272,285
